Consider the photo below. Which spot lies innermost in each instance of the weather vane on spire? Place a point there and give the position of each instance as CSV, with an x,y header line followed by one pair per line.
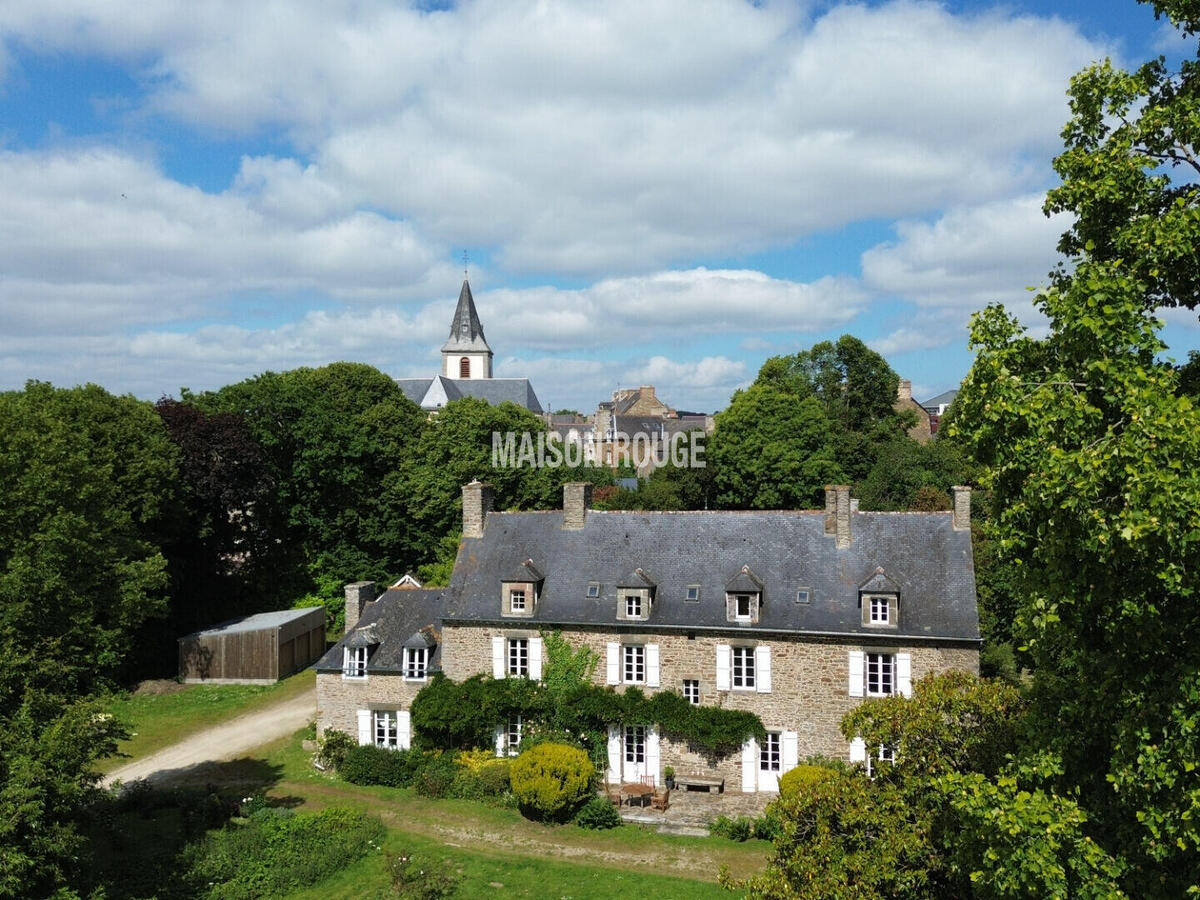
x,y
466,259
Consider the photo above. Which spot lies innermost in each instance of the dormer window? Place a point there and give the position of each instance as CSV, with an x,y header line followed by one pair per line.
x,y
744,597
520,590
415,661
743,602
354,662
635,596
880,610
879,599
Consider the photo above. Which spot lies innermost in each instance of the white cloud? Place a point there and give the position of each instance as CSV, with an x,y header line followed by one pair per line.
x,y
614,139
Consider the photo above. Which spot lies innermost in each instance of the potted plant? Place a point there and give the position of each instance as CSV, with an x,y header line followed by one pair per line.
x,y
669,777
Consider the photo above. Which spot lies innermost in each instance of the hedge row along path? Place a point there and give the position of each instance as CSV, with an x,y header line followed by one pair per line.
x,y
228,740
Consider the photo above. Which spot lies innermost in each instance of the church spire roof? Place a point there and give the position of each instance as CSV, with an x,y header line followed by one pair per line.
x,y
466,334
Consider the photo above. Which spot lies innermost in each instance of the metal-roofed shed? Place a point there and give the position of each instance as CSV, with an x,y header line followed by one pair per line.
x,y
257,649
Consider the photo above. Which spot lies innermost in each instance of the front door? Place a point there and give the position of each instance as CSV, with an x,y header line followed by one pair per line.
x,y
633,753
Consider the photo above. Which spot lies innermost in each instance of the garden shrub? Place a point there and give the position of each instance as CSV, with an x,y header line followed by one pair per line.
x,y
333,747
598,813
551,781
487,783
368,764
802,778
417,878
437,776
739,829
274,855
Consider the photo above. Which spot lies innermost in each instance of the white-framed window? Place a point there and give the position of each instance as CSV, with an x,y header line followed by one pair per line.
x,y
593,589
742,606
518,657
887,754
881,674
386,728
742,668
416,659
516,600
635,744
803,595
633,606
691,691
770,754
633,663
693,593
512,735
881,609
354,665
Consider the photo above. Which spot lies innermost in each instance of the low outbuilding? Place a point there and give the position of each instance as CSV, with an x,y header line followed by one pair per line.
x,y
257,649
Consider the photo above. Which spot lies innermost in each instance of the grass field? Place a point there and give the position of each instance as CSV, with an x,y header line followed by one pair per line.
x,y
172,712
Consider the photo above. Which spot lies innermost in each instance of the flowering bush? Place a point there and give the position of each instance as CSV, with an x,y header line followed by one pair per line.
x,y
551,781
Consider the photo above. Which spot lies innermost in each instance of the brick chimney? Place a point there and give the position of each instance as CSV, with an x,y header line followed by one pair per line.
x,y
477,503
904,390
358,595
962,508
577,499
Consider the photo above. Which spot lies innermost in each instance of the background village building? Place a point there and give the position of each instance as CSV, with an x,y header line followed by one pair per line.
x,y
794,616
467,368
936,408
258,649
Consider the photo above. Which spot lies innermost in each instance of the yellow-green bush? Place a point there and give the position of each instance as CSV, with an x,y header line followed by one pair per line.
x,y
802,778
552,781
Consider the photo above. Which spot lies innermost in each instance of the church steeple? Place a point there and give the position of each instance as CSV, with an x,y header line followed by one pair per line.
x,y
466,353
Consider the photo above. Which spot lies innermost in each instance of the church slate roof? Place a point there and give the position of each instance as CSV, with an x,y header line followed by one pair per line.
x,y
436,392
395,617
466,333
787,551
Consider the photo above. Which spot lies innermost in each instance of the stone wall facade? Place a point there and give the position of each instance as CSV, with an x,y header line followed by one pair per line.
x,y
809,679
339,699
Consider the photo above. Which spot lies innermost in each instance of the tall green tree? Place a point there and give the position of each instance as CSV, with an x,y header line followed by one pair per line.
x,y
1131,171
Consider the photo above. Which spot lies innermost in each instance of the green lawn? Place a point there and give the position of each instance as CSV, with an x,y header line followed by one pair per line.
x,y
160,719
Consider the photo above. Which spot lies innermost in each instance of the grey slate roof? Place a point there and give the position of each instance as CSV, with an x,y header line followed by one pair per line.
x,y
387,624
787,551
466,333
945,398
436,392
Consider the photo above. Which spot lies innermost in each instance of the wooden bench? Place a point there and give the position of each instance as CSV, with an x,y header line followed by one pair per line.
x,y
697,782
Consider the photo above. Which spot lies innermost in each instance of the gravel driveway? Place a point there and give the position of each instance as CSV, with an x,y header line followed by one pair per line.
x,y
221,742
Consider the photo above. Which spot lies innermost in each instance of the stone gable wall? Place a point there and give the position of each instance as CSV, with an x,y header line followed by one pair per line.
x,y
339,699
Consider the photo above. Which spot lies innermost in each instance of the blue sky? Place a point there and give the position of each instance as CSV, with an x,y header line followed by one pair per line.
x,y
662,193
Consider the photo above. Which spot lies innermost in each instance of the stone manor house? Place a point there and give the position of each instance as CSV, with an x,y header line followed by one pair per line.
x,y
795,616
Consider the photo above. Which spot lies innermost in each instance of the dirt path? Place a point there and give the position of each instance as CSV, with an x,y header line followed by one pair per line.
x,y
228,740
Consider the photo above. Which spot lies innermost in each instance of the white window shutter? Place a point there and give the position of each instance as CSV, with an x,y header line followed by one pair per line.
x,y
762,669
652,671
723,663
613,663
652,753
791,751
500,735
904,674
497,656
535,658
856,673
404,730
858,750
364,726
749,766
614,754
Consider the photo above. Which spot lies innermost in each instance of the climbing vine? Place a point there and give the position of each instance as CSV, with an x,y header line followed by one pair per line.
x,y
566,705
